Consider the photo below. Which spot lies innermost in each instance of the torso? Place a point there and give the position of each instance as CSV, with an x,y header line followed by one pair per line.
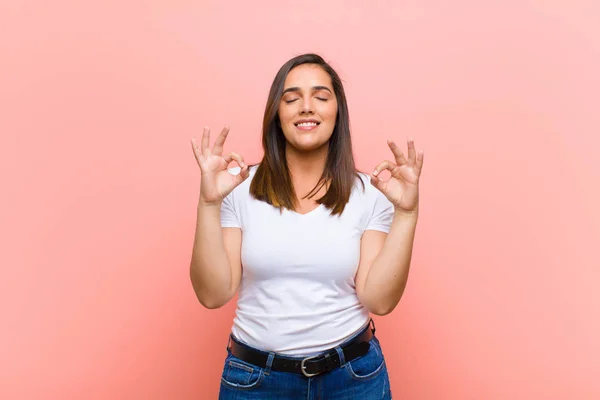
x,y
297,294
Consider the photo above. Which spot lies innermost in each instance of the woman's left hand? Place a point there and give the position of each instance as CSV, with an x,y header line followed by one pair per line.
x,y
402,189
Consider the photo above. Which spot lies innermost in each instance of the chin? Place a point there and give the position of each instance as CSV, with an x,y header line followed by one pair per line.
x,y
305,145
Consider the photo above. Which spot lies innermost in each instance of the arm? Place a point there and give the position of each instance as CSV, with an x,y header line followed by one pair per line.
x,y
385,258
385,263
215,268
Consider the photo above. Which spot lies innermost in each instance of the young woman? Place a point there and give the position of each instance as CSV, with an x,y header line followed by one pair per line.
x,y
313,245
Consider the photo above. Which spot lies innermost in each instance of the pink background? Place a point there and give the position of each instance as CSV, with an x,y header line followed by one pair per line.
x,y
98,102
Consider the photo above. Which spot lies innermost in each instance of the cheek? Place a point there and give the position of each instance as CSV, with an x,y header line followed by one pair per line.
x,y
286,119
285,116
331,112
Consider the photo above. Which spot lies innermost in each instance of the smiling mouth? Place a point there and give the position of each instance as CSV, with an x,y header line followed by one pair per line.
x,y
307,125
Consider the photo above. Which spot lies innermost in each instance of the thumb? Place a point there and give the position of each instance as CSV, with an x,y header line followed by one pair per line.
x,y
375,181
243,175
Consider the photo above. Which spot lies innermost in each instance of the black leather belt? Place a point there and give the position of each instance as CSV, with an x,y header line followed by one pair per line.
x,y
309,366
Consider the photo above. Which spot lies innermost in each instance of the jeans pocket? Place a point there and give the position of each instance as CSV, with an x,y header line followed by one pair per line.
x,y
368,366
238,374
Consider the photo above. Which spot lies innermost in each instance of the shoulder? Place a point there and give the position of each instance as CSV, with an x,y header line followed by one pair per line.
x,y
363,177
370,196
363,187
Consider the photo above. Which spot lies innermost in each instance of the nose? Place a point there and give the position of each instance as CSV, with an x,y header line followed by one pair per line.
x,y
307,106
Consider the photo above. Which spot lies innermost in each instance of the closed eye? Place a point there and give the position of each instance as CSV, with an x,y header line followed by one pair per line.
x,y
290,101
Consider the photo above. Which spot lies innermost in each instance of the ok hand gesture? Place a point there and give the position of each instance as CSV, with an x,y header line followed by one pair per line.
x,y
402,189
216,182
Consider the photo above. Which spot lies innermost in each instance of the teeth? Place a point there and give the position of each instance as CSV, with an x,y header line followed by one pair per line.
x,y
307,124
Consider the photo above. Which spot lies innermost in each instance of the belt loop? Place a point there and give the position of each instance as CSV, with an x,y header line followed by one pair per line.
x,y
328,363
340,353
269,363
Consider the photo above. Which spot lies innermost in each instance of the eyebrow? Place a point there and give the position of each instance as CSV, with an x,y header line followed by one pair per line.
x,y
314,88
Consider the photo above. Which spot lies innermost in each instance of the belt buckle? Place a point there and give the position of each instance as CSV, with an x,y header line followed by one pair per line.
x,y
303,366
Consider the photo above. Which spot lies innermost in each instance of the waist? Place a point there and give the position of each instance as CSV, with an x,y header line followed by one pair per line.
x,y
297,335
312,365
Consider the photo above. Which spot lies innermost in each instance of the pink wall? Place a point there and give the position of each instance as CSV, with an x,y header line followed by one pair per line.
x,y
98,102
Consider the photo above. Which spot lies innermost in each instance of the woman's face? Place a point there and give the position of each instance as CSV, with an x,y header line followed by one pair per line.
x,y
308,107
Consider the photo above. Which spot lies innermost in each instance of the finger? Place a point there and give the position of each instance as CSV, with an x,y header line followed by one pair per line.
x,y
238,158
244,173
244,169
218,147
383,166
206,141
197,153
398,155
419,165
412,159
378,183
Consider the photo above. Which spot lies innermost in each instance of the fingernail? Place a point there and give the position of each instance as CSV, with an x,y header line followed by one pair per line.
x,y
375,173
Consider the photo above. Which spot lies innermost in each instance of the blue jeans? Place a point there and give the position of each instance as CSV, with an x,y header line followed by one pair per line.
x,y
364,378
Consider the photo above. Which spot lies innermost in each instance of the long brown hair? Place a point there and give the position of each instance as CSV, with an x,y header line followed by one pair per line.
x,y
272,182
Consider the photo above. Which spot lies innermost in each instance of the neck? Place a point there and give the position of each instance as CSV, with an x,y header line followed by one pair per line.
x,y
306,167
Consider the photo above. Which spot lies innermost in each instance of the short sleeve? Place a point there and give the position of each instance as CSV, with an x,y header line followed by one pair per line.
x,y
383,213
229,216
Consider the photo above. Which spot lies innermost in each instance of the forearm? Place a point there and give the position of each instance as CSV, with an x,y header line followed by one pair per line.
x,y
388,273
210,271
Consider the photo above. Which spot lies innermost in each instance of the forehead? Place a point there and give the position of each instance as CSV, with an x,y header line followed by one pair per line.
x,y
307,76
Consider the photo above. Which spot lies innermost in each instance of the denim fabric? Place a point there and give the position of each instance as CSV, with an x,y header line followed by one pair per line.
x,y
364,378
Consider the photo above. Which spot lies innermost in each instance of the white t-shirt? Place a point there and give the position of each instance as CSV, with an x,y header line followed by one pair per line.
x,y
297,295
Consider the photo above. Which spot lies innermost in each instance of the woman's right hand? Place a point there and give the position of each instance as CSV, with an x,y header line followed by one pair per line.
x,y
216,181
